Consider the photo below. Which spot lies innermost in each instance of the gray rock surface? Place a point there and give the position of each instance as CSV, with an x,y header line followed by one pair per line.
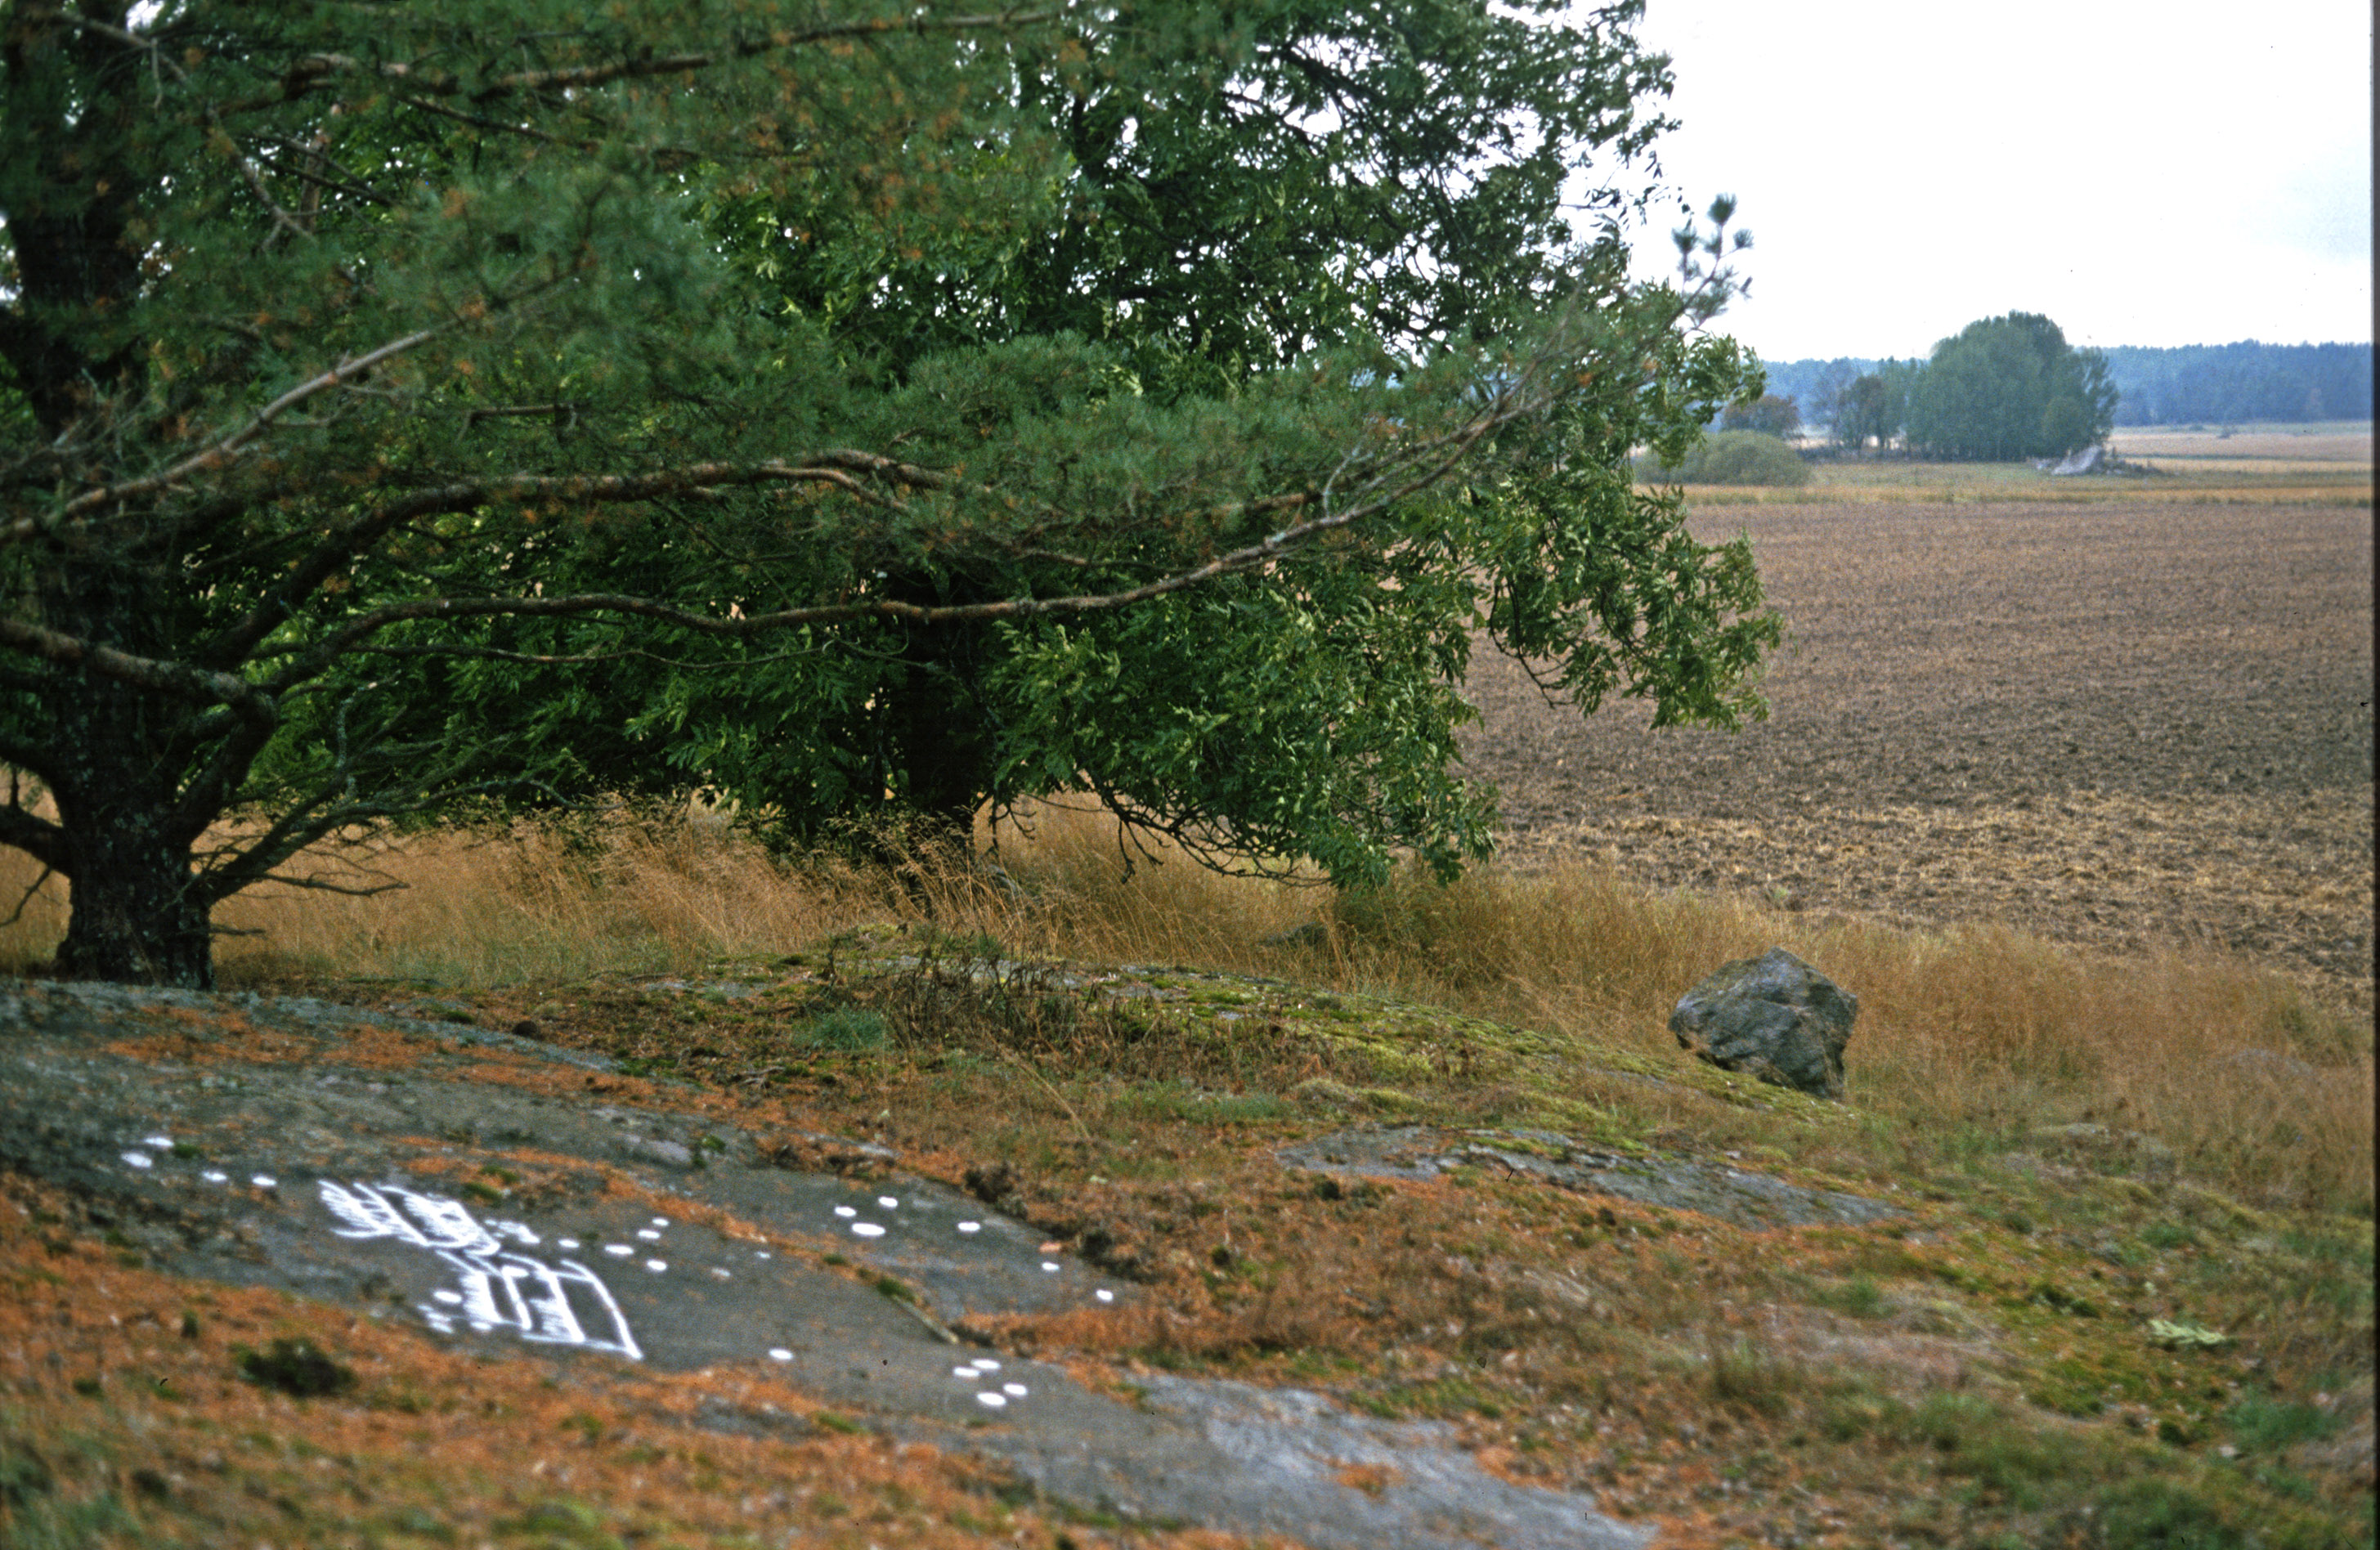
x,y
1747,1199
379,1163
1773,1017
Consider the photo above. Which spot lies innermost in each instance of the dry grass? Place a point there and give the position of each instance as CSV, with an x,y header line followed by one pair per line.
x,y
2190,470
1962,1033
1881,1379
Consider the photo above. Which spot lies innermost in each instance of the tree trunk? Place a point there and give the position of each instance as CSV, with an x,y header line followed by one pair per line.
x,y
137,916
944,740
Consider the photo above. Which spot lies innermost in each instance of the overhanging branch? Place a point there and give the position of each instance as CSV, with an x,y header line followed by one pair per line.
x,y
178,679
221,451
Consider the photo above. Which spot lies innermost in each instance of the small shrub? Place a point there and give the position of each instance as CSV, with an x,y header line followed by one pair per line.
x,y
295,1367
1739,457
847,1030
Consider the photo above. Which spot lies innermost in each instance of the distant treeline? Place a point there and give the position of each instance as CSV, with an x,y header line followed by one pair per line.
x,y
2193,384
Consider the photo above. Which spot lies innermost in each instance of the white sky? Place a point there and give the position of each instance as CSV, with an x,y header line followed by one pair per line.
x,y
2144,174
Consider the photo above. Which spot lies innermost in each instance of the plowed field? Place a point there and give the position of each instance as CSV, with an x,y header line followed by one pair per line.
x,y
2124,724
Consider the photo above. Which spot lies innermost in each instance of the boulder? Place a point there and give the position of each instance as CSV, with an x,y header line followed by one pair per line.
x,y
1773,1017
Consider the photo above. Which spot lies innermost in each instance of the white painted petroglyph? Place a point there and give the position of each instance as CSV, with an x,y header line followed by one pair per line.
x,y
888,1201
970,1227
723,1274
992,1398
163,1142
215,1176
262,1181
137,1159
866,1229
845,1211
780,1353
660,1221
656,1266
1014,1391
1051,1265
618,1250
1104,1295
647,1234
500,1287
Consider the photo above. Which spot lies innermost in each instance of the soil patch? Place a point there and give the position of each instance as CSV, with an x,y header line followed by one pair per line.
x,y
2124,726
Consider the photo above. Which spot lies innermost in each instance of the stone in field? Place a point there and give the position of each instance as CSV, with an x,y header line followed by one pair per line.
x,y
1773,1017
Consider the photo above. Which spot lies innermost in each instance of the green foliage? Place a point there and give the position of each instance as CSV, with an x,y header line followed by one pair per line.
x,y
1747,457
1871,406
2236,383
2010,387
871,413
1767,414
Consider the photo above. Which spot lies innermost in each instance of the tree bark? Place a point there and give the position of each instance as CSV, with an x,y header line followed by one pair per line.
x,y
138,916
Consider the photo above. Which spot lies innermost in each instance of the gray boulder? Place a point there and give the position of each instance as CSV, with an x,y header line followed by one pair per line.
x,y
1773,1017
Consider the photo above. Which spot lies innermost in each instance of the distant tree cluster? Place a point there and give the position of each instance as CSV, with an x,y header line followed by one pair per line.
x,y
1862,401
1768,415
2001,388
2228,384
2009,387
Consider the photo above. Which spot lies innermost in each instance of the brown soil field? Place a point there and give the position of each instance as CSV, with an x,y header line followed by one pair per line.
x,y
2126,725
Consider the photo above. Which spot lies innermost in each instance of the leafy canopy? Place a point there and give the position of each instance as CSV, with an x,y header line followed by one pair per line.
x,y
416,402
2010,387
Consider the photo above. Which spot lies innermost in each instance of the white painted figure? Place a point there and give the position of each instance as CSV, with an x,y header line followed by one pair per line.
x,y
501,1286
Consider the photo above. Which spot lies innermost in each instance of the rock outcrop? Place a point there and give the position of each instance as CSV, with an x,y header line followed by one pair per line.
x,y
1773,1017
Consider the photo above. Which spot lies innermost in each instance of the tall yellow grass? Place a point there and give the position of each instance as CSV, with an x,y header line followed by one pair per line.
x,y
1981,1033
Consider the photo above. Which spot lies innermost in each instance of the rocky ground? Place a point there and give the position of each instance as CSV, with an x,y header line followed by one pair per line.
x,y
684,1260
2123,725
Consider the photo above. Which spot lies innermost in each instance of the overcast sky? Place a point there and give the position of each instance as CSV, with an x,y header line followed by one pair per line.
x,y
2146,173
